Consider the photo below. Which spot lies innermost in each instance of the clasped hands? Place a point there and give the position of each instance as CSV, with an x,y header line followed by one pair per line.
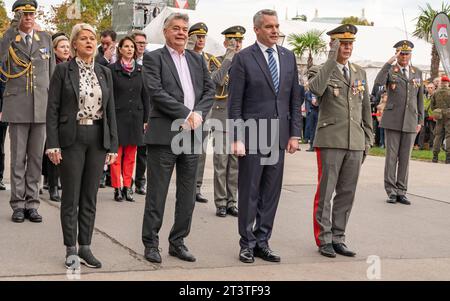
x,y
193,121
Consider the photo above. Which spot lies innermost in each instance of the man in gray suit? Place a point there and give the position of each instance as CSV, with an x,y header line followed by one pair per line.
x,y
343,137
181,94
402,118
30,61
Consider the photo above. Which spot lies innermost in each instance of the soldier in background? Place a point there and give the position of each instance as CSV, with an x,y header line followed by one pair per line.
x,y
30,61
402,120
440,104
225,163
196,42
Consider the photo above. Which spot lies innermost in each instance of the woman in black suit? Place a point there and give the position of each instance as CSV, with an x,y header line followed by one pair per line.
x,y
81,134
131,112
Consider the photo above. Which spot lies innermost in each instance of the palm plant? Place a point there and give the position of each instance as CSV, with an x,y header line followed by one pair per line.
x,y
423,31
309,42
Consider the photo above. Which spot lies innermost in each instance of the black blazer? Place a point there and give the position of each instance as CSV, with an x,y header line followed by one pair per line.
x,y
252,95
166,94
131,101
62,108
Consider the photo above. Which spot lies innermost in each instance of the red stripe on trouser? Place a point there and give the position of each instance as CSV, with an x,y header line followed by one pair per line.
x,y
317,197
126,170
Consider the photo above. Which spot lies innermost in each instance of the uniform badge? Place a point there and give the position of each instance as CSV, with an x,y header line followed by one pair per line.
x,y
44,53
416,82
393,86
336,91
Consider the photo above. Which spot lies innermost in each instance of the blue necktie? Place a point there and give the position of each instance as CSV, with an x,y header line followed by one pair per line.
x,y
273,69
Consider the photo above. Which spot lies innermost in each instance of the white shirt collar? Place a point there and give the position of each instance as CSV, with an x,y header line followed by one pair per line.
x,y
23,35
340,66
264,47
173,51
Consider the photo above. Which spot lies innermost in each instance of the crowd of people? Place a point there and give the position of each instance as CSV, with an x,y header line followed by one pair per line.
x,y
86,115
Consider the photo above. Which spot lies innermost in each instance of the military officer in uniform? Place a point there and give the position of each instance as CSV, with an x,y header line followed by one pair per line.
x,y
440,104
196,42
29,58
225,163
402,118
343,137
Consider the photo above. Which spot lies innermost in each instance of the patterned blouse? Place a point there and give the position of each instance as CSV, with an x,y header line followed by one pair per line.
x,y
90,102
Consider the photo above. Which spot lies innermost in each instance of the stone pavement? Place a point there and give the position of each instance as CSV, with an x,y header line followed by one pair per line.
x,y
411,242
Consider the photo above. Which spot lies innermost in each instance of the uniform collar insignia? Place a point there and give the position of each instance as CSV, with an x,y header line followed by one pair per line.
x,y
36,37
18,38
353,67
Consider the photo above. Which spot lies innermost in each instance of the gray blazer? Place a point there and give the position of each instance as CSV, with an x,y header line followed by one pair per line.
x,y
404,108
20,105
166,94
345,120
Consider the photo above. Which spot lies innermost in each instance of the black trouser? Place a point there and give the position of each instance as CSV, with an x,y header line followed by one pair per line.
x,y
3,130
81,170
50,170
141,165
161,162
259,189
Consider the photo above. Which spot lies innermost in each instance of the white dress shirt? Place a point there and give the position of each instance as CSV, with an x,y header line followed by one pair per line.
x,y
275,55
23,35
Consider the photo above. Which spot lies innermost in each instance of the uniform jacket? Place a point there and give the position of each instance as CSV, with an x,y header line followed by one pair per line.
x,y
63,106
132,104
404,109
20,105
345,120
252,96
166,94
220,78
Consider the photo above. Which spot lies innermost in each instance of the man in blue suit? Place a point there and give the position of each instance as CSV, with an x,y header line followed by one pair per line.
x,y
263,91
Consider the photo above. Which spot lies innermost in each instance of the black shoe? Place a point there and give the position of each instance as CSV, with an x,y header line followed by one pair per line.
x,y
152,255
327,250
2,186
435,159
392,199
140,190
246,255
54,194
72,261
342,249
233,211
221,211
118,197
267,254
402,199
200,198
181,252
88,259
18,215
33,216
41,191
128,194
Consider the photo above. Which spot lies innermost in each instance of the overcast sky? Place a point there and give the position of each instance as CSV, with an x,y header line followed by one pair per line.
x,y
383,12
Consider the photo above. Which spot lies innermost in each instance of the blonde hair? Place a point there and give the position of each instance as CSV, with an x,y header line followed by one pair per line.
x,y
74,36
59,39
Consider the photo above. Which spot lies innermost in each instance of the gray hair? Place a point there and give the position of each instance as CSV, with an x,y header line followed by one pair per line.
x,y
74,36
136,33
175,16
257,18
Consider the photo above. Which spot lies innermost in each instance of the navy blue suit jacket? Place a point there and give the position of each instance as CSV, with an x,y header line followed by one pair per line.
x,y
252,95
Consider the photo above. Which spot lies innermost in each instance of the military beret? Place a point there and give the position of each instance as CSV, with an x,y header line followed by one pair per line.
x,y
445,79
198,29
404,46
27,6
344,32
236,32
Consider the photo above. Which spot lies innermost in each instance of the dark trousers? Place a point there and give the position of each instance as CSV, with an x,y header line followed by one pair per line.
x,y
3,130
50,171
259,189
313,118
81,170
161,161
141,166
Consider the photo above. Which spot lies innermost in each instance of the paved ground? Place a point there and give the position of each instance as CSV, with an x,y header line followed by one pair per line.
x,y
411,242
